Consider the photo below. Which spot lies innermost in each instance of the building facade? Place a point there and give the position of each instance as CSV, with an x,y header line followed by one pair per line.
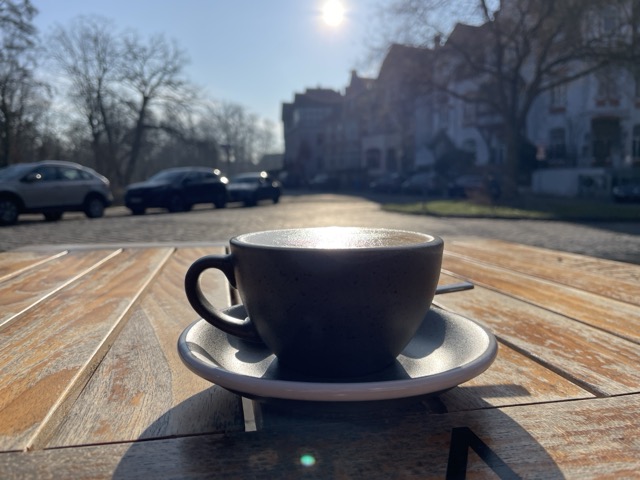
x,y
584,135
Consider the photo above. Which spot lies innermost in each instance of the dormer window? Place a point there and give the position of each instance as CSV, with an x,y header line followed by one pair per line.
x,y
558,96
608,91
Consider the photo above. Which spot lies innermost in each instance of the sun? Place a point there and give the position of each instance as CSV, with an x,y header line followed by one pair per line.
x,y
333,13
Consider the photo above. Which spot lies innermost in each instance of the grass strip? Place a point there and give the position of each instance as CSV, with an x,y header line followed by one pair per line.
x,y
525,208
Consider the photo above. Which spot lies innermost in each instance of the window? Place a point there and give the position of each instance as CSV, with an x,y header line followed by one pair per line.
x,y
194,177
442,111
469,113
607,87
373,159
392,164
45,173
557,144
635,143
470,146
559,97
609,21
498,154
71,174
586,145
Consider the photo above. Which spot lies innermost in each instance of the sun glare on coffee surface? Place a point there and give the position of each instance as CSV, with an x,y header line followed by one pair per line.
x,y
333,13
332,237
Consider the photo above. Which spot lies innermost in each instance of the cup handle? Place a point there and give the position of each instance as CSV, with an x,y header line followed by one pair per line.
x,y
240,328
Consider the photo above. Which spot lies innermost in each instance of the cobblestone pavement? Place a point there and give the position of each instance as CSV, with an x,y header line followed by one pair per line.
x,y
617,241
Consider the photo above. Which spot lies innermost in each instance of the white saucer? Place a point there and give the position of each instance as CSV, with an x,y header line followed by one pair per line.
x,y
447,350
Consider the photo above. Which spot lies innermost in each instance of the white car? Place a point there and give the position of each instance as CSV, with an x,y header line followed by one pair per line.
x,y
52,187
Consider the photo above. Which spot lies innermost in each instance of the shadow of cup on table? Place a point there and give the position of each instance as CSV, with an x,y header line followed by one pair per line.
x,y
376,441
409,437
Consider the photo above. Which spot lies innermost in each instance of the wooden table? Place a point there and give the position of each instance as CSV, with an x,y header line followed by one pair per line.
x,y
91,385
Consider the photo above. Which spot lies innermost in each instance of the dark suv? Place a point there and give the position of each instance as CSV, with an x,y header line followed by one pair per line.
x,y
250,188
177,190
52,187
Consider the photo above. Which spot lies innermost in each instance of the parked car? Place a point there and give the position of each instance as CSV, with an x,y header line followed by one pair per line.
x,y
629,192
469,185
389,183
463,185
52,187
421,183
324,181
250,188
177,190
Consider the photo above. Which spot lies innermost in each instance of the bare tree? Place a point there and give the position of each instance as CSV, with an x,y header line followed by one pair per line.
x,y
236,132
155,88
22,96
124,88
89,56
514,51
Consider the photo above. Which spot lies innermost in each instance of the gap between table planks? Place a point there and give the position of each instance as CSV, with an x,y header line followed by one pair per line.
x,y
50,353
141,389
614,316
40,280
612,279
10,266
601,363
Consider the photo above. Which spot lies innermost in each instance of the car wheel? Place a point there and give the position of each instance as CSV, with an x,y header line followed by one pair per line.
x,y
176,204
9,211
94,207
52,216
220,201
137,211
252,201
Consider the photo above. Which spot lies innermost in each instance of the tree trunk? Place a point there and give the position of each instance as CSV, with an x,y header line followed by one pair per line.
x,y
136,144
512,162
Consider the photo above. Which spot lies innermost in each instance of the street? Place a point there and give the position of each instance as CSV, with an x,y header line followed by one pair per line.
x,y
615,241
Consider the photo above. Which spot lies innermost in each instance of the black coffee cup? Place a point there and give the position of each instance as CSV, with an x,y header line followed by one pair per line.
x,y
329,302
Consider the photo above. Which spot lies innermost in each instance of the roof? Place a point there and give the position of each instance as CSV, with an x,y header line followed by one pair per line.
x,y
405,60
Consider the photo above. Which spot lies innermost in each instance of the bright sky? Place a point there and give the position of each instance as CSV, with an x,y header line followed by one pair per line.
x,y
256,53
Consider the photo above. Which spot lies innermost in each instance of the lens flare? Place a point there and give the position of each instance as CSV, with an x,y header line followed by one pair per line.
x,y
307,460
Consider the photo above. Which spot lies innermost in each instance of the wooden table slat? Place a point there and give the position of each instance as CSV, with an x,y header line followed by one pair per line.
x,y
616,280
617,317
14,263
596,360
34,285
48,356
141,388
513,379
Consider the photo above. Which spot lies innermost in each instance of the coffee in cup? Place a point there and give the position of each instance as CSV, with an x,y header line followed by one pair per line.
x,y
330,301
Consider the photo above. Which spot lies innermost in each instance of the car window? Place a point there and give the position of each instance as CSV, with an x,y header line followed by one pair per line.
x,y
70,174
45,173
85,175
167,176
14,171
245,179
